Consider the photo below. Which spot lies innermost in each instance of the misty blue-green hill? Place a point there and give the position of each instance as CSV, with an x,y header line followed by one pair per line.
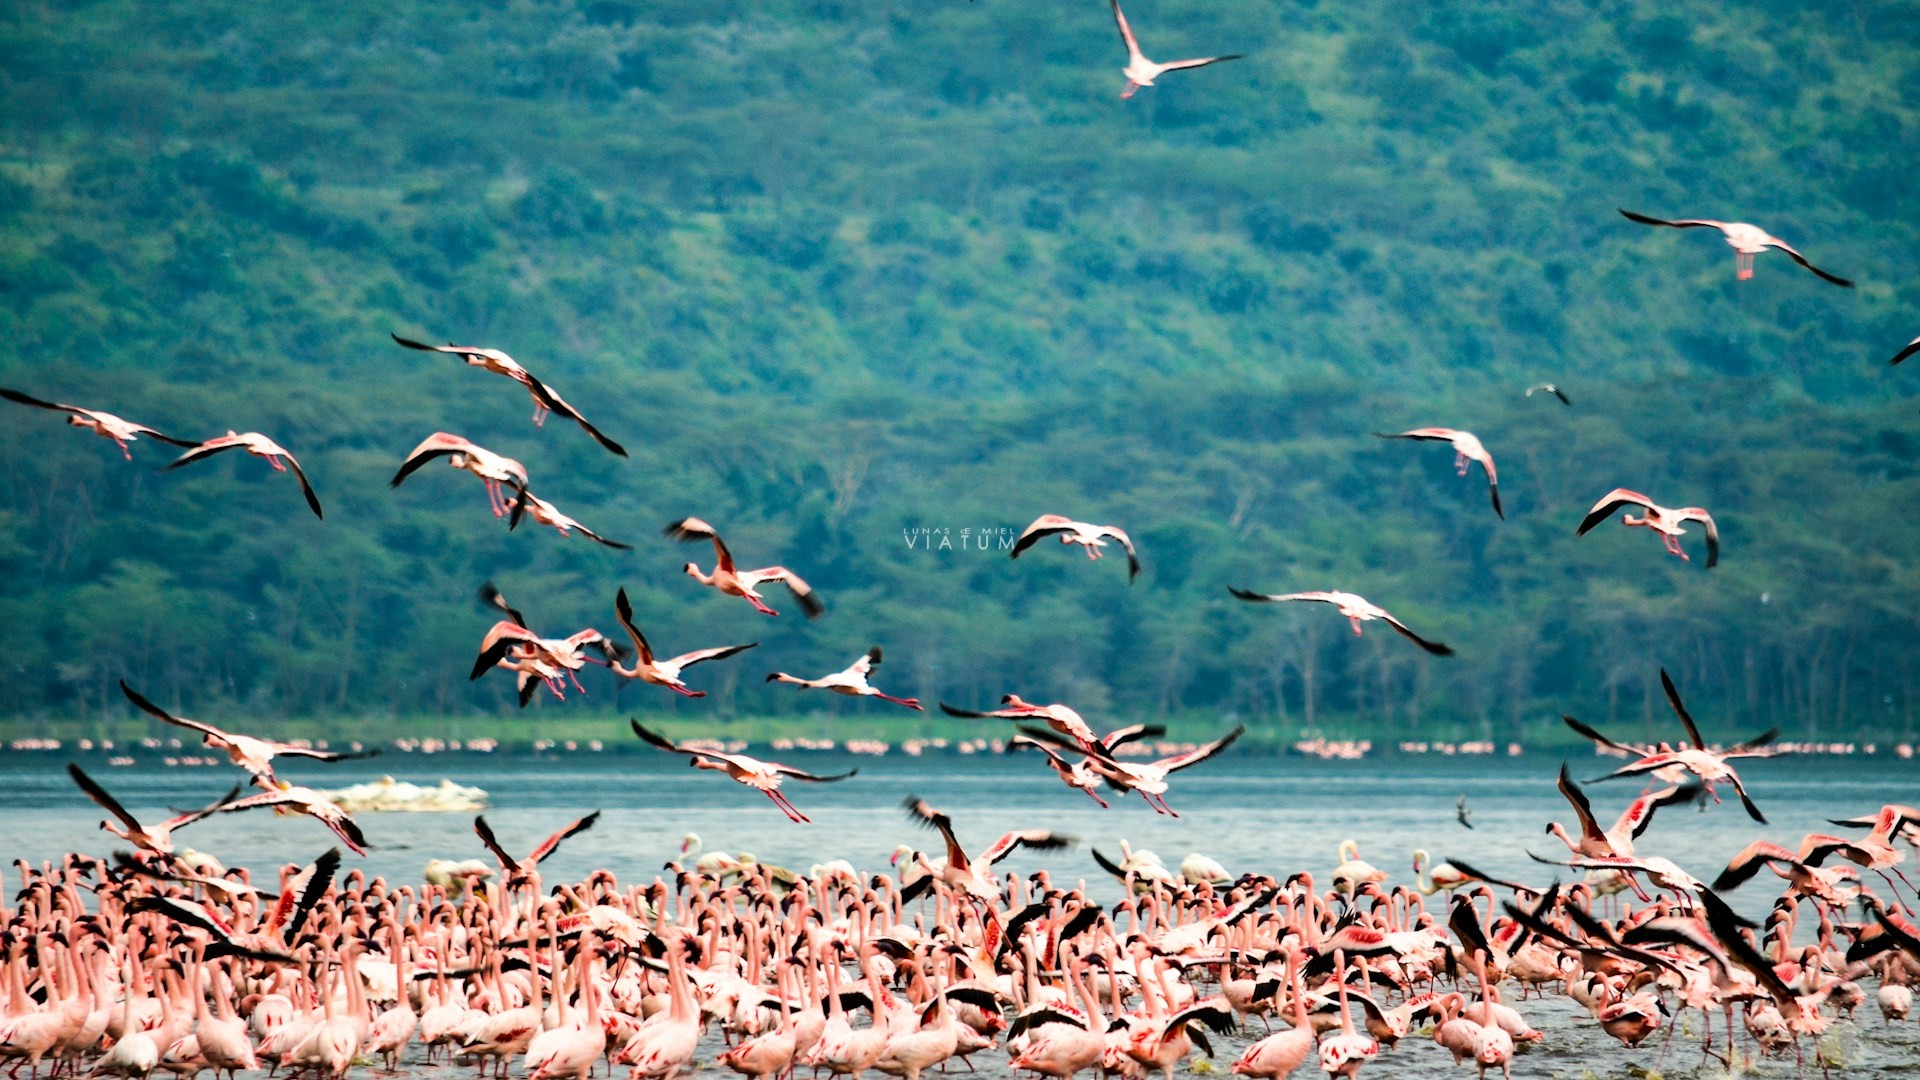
x,y
834,272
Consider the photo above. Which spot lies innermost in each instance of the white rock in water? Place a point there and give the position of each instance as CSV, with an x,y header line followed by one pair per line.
x,y
389,795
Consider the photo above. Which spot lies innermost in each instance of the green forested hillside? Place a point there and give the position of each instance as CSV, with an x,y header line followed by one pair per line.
x,y
835,271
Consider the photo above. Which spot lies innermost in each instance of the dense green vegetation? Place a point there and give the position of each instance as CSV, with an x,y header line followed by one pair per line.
x,y
834,271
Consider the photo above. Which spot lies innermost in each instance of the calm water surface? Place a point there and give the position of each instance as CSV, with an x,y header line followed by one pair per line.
x,y
1276,815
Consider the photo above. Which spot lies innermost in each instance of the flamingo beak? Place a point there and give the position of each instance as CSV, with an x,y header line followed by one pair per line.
x,y
893,859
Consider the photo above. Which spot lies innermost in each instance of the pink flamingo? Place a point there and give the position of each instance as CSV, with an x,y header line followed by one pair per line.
x,y
762,776
1658,518
544,398
1466,448
1357,609
1746,241
736,582
105,424
1141,71
259,446
852,681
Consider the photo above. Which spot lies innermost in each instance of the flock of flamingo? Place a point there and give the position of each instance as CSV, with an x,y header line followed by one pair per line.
x,y
162,960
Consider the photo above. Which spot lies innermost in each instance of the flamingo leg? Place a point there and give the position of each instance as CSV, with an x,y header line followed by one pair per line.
x,y
1743,265
786,807
1091,794
1460,463
275,462
575,679
680,689
539,414
559,688
1356,624
128,454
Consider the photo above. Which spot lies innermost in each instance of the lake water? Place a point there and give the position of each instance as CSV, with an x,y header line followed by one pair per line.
x,y
1276,815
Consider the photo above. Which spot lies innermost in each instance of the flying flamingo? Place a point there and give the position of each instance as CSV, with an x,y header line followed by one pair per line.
x,y
1074,774
156,838
549,515
1058,717
1660,519
254,755
510,645
1141,71
1704,761
259,446
1618,840
663,672
736,582
544,399
520,871
285,798
1746,241
1091,537
1551,389
1357,609
1466,448
1150,778
975,876
108,426
851,682
763,776
492,469
1874,851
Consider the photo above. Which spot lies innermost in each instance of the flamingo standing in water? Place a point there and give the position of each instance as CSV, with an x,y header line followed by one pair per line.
x,y
108,426
1746,241
259,446
662,672
1466,448
1141,71
254,755
493,469
1091,537
762,776
544,399
736,582
1658,518
1357,609
852,682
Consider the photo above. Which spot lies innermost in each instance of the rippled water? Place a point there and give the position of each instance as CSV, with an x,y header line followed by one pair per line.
x,y
1273,814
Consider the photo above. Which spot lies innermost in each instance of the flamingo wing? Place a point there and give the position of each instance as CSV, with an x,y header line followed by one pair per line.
x,y
1200,754
306,488
1686,719
456,350
1746,801
1589,828
1126,32
686,660
1281,598
485,833
1683,223
99,795
796,585
22,399
1911,348
1617,499
438,444
283,750
554,402
1131,733
598,539
812,778
1200,62
1748,863
552,843
1434,647
501,640
1589,732
181,821
1694,513
1133,558
1782,245
1425,434
1046,524
205,450
623,610
866,664
659,741
923,812
692,530
163,715
1037,839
